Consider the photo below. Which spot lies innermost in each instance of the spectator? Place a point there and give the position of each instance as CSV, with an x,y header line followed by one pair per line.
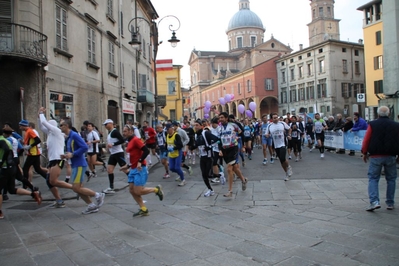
x,y
339,125
347,127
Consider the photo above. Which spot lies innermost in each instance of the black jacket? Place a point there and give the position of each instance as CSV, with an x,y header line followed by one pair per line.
x,y
384,137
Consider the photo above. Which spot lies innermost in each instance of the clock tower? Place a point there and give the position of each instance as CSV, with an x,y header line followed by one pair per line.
x,y
323,26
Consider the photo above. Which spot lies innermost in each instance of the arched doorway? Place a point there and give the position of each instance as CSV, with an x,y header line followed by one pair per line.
x,y
268,105
227,108
239,115
234,108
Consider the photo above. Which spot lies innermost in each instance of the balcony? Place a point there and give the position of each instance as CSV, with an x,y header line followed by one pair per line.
x,y
145,96
23,42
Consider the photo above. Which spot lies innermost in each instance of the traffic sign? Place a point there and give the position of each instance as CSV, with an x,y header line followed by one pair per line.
x,y
361,97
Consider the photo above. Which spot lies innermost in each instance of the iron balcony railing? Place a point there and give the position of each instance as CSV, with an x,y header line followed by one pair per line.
x,y
23,42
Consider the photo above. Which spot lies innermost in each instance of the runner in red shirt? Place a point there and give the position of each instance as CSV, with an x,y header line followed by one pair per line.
x,y
149,137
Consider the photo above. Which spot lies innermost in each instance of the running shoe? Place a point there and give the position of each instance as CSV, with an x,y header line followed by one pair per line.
x,y
109,191
321,155
182,183
90,209
222,178
289,171
296,159
90,176
286,178
289,157
100,200
215,180
160,192
190,170
37,196
229,194
250,157
390,207
57,205
209,193
272,160
177,179
265,161
373,206
166,176
244,184
141,213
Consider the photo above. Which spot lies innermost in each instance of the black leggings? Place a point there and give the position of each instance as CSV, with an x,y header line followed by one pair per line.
x,y
7,180
20,177
35,161
206,170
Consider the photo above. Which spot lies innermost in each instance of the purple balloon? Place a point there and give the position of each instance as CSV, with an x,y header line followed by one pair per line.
x,y
222,101
241,108
206,110
227,98
252,106
208,104
206,116
248,113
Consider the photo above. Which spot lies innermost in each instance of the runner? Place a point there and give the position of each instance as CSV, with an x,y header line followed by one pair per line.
x,y
163,151
217,167
319,125
296,137
276,131
174,146
93,141
114,144
248,134
310,133
229,135
267,143
138,175
150,141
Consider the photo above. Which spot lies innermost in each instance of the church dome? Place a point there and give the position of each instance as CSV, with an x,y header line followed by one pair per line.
x,y
245,18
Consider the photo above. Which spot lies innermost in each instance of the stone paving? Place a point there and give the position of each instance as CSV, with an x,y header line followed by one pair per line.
x,y
314,219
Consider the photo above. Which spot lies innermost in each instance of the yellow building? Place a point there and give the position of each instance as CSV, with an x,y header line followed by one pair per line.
x,y
169,87
373,54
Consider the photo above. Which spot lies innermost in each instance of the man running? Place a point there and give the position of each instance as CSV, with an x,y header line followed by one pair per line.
x,y
267,143
93,141
114,145
229,134
319,125
75,152
138,175
174,146
150,141
276,130
163,151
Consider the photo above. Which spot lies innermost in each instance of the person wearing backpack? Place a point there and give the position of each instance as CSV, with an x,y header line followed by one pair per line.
x,y
203,141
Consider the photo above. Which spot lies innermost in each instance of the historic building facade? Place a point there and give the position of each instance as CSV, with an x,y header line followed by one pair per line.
x,y
247,70
327,76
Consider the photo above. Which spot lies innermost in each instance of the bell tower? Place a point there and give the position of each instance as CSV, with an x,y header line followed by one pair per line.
x,y
323,25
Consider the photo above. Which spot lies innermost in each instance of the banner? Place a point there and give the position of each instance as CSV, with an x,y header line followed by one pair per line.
x,y
334,139
354,140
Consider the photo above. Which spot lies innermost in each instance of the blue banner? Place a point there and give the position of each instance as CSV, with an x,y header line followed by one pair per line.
x,y
354,140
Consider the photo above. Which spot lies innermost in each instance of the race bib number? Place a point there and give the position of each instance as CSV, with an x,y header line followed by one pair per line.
x,y
160,141
202,151
226,140
294,134
247,133
264,131
146,135
318,129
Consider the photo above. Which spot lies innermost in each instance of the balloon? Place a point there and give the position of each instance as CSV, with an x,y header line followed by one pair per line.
x,y
222,101
206,116
241,108
227,98
252,106
208,104
248,113
206,110
232,96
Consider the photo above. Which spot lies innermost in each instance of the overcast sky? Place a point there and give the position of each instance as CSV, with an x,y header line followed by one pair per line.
x,y
204,24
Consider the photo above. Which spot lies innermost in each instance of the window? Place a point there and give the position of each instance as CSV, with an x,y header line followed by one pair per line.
x,y
301,89
172,114
249,85
121,24
134,80
329,11
61,28
292,71
344,50
293,94
122,69
345,66
358,88
282,63
357,67
378,37
378,62
320,50
310,90
239,88
322,88
111,52
110,8
142,82
378,86
300,71
309,54
91,42
239,42
356,52
311,110
284,96
171,87
346,90
292,60
321,66
300,57
283,76
253,41
143,48
310,69
321,12
269,84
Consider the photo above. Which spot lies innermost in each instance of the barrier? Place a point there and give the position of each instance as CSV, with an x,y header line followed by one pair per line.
x,y
347,140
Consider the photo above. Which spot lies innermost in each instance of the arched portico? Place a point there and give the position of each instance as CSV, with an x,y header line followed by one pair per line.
x,y
268,105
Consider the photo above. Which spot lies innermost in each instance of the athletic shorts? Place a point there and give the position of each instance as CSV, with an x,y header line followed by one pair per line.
x,y
78,174
60,163
163,154
230,155
320,136
246,139
117,158
92,153
267,141
281,153
138,178
151,146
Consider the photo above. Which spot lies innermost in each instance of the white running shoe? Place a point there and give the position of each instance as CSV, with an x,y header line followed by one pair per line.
x,y
264,161
100,200
289,171
222,178
209,193
321,155
182,183
90,209
109,191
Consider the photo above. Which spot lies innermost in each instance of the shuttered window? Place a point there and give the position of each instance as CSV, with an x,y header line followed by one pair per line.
x,y
91,45
61,28
5,11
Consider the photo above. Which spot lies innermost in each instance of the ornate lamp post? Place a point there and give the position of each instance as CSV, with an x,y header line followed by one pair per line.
x,y
135,42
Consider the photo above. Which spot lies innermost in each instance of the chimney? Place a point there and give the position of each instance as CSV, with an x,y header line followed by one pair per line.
x,y
300,46
360,41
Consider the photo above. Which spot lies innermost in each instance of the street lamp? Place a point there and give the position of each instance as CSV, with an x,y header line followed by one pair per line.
x,y
135,42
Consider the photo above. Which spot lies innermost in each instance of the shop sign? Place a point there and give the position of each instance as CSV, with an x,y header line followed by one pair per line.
x,y
128,107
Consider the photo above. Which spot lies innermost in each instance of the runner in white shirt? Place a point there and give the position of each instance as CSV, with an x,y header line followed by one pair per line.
x,y
93,140
276,131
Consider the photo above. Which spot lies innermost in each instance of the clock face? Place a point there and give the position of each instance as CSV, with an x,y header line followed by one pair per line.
x,y
330,27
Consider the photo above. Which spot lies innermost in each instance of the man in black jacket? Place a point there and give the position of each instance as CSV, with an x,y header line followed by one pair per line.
x,y
339,125
381,146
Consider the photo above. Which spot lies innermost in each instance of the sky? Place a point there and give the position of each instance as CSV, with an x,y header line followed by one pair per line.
x,y
203,24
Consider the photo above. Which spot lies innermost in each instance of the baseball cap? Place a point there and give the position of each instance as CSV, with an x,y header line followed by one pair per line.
x,y
175,123
24,123
7,129
168,126
108,121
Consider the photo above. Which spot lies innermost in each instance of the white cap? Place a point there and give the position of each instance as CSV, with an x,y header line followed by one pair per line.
x,y
108,121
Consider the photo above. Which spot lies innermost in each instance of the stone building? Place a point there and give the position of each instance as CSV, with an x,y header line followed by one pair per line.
x,y
74,58
328,75
215,73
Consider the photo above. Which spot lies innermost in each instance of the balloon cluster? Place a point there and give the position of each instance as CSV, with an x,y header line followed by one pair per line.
x,y
226,99
207,109
250,111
